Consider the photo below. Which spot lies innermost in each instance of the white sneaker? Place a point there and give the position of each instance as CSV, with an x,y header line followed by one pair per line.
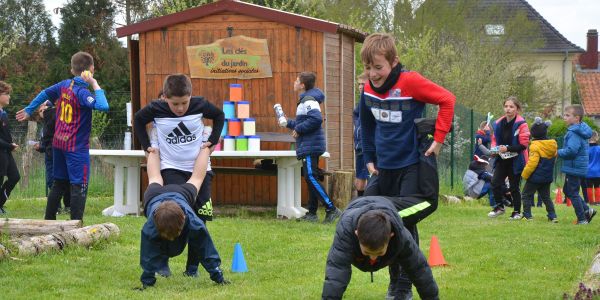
x,y
496,212
515,216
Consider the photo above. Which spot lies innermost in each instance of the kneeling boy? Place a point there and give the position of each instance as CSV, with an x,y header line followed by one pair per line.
x,y
370,235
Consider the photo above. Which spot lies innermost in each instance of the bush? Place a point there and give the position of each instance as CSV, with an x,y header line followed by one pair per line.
x,y
559,127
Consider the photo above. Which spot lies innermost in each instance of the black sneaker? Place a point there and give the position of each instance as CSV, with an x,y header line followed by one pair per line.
x,y
190,274
589,215
553,220
2,211
309,217
332,214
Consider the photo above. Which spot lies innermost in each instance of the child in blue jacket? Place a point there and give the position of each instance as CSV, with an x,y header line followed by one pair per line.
x,y
575,161
310,144
593,173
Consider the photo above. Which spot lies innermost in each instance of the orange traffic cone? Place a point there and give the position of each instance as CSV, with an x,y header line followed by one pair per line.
x,y
559,199
569,202
590,194
436,258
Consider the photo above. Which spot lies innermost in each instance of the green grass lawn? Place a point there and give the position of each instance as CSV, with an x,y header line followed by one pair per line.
x,y
488,259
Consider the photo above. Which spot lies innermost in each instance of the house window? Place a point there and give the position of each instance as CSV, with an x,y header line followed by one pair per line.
x,y
494,29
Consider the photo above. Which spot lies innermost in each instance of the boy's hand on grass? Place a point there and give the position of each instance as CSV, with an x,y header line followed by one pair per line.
x,y
141,288
223,282
434,149
371,168
22,115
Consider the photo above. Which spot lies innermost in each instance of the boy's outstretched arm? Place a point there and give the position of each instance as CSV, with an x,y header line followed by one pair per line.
x,y
200,166
153,168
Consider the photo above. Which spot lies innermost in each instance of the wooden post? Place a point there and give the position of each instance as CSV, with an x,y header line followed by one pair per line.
x,y
36,227
342,188
85,236
28,153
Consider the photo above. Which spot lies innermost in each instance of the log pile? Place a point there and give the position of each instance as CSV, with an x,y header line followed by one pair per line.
x,y
85,236
36,227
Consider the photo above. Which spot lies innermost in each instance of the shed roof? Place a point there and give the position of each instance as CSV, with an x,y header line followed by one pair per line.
x,y
245,9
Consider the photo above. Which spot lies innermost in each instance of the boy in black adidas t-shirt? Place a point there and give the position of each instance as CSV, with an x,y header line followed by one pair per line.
x,y
172,224
178,120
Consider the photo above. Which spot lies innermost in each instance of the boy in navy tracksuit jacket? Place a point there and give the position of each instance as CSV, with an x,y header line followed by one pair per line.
x,y
172,224
310,144
396,150
575,161
8,166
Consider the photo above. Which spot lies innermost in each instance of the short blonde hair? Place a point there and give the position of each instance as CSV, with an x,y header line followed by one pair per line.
x,y
378,44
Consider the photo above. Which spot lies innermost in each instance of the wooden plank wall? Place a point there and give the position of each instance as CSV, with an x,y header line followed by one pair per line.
x,y
292,50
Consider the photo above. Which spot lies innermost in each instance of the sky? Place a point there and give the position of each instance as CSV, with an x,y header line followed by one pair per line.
x,y
572,18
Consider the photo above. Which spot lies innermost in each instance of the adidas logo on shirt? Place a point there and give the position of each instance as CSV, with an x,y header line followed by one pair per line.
x,y
180,135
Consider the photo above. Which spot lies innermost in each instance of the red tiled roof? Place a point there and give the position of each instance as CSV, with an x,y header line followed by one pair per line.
x,y
588,84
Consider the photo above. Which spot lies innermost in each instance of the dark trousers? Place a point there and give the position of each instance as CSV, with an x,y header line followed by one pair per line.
x,y
543,190
504,169
398,185
12,177
316,192
203,204
50,179
571,188
61,189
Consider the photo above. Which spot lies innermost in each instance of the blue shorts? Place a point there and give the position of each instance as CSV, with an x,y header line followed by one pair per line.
x,y
361,167
72,166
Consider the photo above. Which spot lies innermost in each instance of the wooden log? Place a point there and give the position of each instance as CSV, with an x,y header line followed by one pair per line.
x,y
342,188
36,227
85,236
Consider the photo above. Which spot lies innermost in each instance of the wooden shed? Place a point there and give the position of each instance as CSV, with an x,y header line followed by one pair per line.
x,y
296,43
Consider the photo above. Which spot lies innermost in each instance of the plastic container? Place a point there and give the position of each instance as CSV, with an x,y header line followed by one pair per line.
x,y
234,127
243,109
218,146
228,143
254,143
280,115
224,130
249,126
241,143
229,109
235,92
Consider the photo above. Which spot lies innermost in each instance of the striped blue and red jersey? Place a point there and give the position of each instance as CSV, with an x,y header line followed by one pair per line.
x,y
74,104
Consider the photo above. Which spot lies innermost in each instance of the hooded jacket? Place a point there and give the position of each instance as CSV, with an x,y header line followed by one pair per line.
x,y
520,136
594,163
311,138
575,150
540,166
402,249
486,139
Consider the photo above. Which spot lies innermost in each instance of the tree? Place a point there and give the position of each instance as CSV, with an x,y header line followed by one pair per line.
x,y
89,26
165,7
27,30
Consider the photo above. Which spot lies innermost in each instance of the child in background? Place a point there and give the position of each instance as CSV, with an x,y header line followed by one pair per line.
x,y
171,224
310,145
575,161
538,171
477,179
361,174
593,173
71,144
8,166
46,115
483,137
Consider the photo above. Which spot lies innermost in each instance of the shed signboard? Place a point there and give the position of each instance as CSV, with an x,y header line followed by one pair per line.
x,y
238,57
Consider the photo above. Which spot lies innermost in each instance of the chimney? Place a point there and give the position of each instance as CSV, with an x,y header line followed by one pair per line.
x,y
589,60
